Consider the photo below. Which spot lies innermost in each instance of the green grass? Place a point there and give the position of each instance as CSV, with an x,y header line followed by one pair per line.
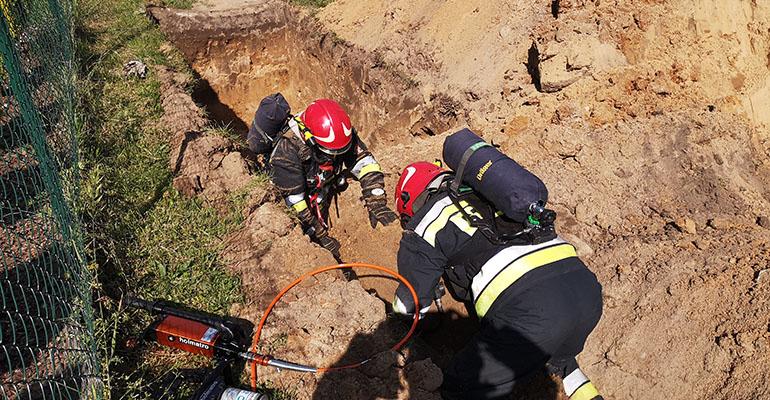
x,y
179,247
185,4
143,236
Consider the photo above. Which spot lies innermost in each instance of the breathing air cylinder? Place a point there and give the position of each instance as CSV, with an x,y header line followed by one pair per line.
x,y
492,174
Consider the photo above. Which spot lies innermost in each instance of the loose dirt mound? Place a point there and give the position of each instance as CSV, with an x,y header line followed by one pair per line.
x,y
333,322
269,252
614,59
181,116
209,167
645,120
204,165
681,307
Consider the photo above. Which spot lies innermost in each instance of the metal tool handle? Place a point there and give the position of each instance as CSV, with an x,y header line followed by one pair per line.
x,y
136,302
240,394
168,308
438,293
269,361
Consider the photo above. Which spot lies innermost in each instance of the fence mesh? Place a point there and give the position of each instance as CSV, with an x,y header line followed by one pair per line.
x,y
47,348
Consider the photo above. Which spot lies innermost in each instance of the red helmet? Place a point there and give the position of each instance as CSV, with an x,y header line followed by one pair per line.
x,y
330,126
414,180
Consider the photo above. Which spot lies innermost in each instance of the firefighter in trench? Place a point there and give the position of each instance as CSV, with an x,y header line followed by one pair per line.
x,y
535,300
312,155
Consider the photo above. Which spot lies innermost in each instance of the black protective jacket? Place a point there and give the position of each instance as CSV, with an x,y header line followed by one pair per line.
x,y
439,239
308,179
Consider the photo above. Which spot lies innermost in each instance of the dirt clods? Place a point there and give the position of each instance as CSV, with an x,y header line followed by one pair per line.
x,y
181,116
332,323
571,57
209,168
269,252
204,165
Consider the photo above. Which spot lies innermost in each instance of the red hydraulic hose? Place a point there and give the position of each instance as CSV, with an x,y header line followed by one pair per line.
x,y
269,309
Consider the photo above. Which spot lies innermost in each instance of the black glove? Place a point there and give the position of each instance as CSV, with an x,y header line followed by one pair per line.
x,y
331,244
379,212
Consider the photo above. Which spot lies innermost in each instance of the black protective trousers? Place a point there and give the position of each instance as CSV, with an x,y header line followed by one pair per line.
x,y
547,324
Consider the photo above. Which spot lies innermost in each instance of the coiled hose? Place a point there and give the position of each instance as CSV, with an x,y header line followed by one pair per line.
x,y
269,361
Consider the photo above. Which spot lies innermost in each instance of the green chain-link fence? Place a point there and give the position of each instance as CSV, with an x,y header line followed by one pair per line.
x,y
47,348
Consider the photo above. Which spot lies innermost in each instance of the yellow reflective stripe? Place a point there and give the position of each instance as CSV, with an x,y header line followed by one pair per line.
x,y
585,392
303,129
440,222
369,168
463,224
299,207
517,269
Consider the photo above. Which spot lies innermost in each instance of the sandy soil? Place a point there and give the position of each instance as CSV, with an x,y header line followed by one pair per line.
x,y
647,120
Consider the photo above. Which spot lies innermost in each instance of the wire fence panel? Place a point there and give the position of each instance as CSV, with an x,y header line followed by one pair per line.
x,y
47,346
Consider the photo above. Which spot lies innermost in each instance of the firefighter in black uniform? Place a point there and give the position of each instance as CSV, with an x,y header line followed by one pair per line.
x,y
310,162
535,299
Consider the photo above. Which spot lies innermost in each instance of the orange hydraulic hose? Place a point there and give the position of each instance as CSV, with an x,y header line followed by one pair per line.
x,y
269,309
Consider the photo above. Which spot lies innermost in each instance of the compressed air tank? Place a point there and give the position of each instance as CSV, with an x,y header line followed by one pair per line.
x,y
497,177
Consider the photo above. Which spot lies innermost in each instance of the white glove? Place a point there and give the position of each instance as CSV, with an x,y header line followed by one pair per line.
x,y
400,308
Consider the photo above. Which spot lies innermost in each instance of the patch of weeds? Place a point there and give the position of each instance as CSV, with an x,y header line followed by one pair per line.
x,y
240,198
142,235
336,39
275,343
183,4
178,254
227,132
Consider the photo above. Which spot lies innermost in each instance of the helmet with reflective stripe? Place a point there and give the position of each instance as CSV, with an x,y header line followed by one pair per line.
x,y
415,178
330,126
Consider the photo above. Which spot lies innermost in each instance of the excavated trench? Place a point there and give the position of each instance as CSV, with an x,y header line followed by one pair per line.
x,y
281,51
273,50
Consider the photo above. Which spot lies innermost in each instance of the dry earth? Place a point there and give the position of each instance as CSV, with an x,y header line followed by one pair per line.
x,y
648,120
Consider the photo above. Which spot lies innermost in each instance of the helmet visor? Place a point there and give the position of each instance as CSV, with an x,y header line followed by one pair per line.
x,y
336,152
340,151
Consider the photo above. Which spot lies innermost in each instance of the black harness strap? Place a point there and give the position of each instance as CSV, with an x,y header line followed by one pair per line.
x,y
264,134
455,187
485,223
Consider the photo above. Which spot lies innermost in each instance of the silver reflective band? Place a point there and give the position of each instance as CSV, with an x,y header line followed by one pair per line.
x,y
378,192
399,307
431,216
295,128
294,199
368,160
574,381
500,261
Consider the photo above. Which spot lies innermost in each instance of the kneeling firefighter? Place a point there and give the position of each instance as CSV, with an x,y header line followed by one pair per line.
x,y
484,229
310,162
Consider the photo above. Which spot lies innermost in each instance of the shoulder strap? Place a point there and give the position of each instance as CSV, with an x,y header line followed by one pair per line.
x,y
486,223
264,134
455,187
